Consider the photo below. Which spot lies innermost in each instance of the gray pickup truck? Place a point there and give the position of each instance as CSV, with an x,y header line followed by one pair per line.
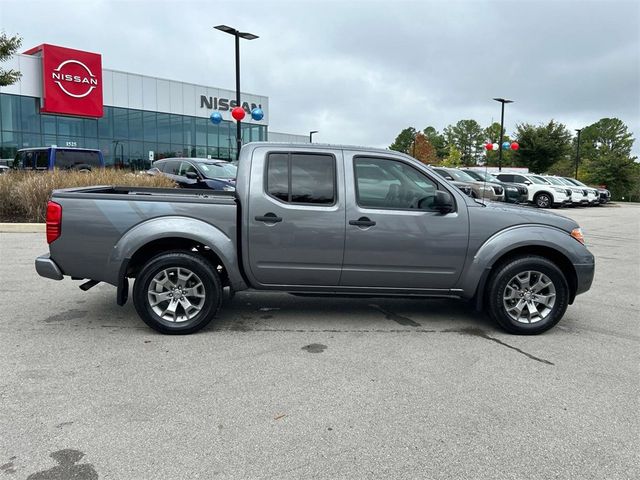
x,y
317,220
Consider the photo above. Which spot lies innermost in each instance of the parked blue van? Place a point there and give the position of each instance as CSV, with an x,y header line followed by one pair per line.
x,y
61,158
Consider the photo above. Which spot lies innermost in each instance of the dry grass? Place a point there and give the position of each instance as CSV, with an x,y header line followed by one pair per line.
x,y
24,195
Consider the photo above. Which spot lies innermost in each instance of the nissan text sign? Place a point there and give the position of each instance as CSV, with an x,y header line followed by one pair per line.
x,y
72,81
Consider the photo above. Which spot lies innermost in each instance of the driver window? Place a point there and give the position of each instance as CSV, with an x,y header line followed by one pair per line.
x,y
384,183
186,167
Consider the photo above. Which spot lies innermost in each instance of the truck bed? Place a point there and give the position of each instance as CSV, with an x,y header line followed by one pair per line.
x,y
164,194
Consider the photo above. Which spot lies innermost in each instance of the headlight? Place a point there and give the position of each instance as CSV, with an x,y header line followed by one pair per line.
x,y
559,190
512,189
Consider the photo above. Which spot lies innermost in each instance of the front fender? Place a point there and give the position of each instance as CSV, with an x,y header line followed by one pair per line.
x,y
516,237
177,227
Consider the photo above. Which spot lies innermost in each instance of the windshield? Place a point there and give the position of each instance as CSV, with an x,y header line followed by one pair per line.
x,y
482,176
460,176
552,180
575,182
565,182
218,170
538,180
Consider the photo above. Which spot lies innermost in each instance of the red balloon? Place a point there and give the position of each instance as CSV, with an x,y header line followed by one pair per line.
x,y
489,146
515,146
238,113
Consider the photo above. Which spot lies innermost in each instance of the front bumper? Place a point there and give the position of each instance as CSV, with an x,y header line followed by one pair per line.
x,y
47,268
584,273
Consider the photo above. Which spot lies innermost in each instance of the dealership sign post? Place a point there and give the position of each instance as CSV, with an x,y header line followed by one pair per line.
x,y
72,81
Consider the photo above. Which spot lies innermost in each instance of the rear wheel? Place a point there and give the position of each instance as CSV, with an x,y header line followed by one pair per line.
x,y
543,200
177,293
528,295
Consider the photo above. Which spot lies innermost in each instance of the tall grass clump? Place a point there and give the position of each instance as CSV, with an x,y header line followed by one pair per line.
x,y
24,194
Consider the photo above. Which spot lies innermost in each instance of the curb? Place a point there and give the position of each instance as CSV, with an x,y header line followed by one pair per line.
x,y
22,227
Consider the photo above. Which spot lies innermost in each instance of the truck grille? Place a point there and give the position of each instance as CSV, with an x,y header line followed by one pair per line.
x,y
584,193
523,190
568,192
498,190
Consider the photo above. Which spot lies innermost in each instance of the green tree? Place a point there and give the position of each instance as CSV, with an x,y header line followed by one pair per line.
x,y
9,46
404,140
468,137
454,159
605,155
541,146
438,141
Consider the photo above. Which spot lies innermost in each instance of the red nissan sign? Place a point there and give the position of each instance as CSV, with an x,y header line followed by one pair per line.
x,y
71,79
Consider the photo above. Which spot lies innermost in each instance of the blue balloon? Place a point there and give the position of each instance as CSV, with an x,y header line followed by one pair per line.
x,y
257,114
216,118
506,146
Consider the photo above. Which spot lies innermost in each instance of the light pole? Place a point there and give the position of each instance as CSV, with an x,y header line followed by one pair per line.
x,y
578,152
247,36
502,101
311,135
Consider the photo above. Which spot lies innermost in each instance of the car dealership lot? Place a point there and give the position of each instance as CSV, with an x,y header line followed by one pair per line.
x,y
288,387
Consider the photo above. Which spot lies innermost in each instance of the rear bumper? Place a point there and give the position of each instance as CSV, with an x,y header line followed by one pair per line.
x,y
47,268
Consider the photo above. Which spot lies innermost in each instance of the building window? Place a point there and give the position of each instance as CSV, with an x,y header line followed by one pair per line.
x,y
135,125
120,123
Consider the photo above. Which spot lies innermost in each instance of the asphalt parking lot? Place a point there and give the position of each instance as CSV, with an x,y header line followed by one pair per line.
x,y
284,387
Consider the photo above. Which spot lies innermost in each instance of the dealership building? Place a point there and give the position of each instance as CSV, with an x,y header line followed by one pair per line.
x,y
65,98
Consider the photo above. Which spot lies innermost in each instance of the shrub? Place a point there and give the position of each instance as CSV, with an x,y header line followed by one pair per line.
x,y
24,195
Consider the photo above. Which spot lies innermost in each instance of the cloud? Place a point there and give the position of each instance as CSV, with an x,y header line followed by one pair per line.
x,y
360,71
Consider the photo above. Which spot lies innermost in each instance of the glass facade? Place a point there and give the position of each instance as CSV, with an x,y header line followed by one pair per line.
x,y
125,136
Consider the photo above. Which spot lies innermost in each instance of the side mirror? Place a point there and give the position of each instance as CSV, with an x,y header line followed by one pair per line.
x,y
191,175
443,202
527,182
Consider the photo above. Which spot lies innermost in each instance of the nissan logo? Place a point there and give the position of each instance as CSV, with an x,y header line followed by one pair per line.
x,y
88,79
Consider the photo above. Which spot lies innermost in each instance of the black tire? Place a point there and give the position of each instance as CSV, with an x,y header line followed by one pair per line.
x,y
211,286
505,273
543,200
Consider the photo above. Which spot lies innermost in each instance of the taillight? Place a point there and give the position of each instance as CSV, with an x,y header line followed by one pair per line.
x,y
54,221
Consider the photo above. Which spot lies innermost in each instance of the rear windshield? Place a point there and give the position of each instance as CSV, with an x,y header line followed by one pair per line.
x,y
76,159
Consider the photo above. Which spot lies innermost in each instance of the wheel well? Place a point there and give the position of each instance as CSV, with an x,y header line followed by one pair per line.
x,y
156,247
549,253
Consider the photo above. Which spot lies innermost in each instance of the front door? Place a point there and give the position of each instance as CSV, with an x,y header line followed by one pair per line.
x,y
393,238
296,218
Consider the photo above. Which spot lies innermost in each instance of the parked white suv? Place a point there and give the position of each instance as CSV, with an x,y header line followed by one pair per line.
x,y
579,196
541,193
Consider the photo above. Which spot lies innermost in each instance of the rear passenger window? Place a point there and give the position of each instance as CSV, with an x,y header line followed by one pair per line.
x,y
171,167
301,178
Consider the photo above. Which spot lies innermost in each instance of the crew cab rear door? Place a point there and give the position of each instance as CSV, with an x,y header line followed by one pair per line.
x,y
296,218
394,241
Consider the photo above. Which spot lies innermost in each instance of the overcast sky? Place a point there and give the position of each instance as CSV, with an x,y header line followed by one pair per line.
x,y
360,71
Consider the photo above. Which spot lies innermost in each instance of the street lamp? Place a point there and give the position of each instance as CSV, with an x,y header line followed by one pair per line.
x,y
578,152
502,101
311,135
247,36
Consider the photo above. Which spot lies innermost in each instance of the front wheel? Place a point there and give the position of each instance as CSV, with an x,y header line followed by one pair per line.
x,y
177,293
543,200
528,295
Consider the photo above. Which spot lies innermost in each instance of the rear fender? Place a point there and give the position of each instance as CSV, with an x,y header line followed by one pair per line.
x,y
175,227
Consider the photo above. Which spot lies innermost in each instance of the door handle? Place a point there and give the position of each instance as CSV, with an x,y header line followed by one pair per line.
x,y
362,222
269,218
